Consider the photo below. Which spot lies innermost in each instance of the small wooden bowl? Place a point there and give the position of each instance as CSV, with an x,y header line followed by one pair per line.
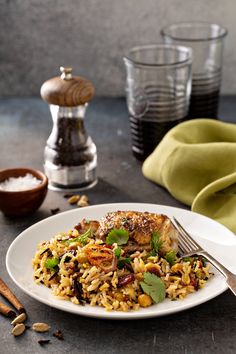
x,y
24,202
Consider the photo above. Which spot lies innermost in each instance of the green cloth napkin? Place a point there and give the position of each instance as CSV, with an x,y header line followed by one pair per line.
x,y
196,163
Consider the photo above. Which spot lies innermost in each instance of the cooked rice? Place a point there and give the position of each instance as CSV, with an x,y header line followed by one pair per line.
x,y
76,280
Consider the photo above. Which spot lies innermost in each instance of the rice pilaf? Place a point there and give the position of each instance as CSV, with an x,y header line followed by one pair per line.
x,y
81,268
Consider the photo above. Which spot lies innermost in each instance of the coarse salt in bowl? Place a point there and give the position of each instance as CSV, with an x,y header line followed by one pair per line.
x,y
22,191
21,183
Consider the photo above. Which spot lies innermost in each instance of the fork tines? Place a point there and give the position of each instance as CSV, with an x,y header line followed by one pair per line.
x,y
186,242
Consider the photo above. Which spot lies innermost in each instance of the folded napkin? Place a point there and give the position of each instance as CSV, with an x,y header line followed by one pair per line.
x,y
196,163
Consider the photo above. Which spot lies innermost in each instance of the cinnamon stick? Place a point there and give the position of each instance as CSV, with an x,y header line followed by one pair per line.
x,y
6,292
6,311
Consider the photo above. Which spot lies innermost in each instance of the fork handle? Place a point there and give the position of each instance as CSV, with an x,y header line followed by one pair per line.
x,y
230,277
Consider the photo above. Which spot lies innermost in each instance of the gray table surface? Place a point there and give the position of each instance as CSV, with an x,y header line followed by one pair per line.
x,y
24,127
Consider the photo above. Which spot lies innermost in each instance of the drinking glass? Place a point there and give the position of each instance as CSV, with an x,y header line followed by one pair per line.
x,y
158,88
206,41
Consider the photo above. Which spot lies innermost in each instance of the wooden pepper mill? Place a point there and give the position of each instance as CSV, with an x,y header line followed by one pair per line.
x,y
70,155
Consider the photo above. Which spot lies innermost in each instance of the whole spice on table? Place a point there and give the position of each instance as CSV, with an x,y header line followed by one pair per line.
x,y
18,329
58,334
55,211
8,294
43,341
40,327
19,319
67,195
74,199
6,311
83,201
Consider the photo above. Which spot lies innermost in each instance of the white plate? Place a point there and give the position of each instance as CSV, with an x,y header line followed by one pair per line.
x,y
215,238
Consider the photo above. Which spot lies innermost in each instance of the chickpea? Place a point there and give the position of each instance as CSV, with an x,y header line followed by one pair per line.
x,y
144,300
119,296
82,258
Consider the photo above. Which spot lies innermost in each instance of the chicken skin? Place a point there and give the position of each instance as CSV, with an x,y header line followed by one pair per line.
x,y
141,226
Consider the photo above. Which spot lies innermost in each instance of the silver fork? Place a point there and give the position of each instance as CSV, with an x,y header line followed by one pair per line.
x,y
189,247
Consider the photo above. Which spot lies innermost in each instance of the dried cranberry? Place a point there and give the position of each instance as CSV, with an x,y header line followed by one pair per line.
x,y
78,227
154,270
125,279
194,283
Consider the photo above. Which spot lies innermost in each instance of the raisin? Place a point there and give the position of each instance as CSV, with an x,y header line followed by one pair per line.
x,y
125,279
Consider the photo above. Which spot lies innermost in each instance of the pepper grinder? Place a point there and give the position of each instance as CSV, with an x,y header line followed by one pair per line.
x,y
70,155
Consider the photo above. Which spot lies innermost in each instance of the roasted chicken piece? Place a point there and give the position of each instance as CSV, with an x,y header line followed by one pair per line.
x,y
141,226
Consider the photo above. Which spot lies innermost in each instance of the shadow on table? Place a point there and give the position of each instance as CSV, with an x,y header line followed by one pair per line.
x,y
105,192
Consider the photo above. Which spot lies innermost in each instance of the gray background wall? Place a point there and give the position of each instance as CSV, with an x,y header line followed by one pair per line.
x,y
38,36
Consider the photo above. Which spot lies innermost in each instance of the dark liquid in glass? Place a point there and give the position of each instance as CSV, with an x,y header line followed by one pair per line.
x,y
204,105
146,135
160,110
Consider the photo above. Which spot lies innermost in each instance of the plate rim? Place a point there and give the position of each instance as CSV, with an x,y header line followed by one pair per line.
x,y
132,315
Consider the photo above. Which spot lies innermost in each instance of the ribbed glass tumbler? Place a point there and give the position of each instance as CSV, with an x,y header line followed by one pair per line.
x,y
206,41
158,88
